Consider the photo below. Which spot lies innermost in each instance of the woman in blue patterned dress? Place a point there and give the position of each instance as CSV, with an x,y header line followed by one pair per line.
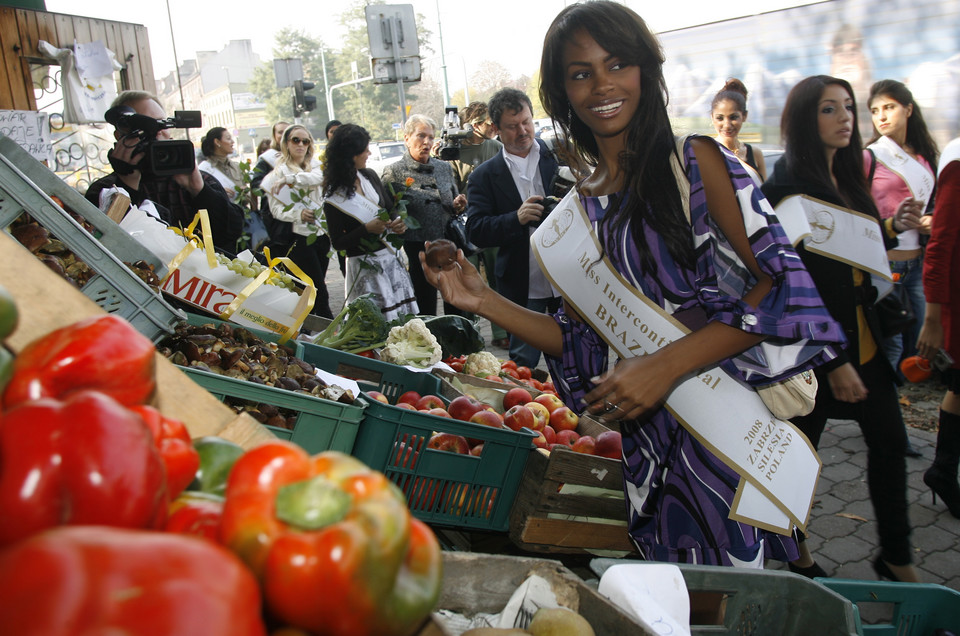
x,y
732,287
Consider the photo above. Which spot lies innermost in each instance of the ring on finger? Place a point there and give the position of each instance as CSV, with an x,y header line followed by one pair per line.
x,y
609,406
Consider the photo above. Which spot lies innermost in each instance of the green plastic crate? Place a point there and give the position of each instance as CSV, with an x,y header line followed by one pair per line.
x,y
757,602
25,185
267,336
321,424
442,488
914,609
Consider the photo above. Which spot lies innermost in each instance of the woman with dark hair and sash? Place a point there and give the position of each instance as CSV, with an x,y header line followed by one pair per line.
x,y
684,236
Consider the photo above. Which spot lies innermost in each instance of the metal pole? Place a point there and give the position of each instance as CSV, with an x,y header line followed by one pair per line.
x,y
443,59
326,87
176,64
398,69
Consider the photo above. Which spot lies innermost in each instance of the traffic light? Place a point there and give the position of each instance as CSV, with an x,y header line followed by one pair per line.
x,y
302,102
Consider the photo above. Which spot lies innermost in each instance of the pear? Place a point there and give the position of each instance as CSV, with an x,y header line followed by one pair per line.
x,y
559,621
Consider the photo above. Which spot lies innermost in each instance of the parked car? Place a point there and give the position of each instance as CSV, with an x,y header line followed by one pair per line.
x,y
383,153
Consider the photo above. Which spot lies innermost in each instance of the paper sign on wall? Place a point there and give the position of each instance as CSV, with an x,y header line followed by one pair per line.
x,y
31,131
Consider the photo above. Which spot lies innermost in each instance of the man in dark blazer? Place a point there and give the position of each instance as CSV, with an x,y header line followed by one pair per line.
x,y
504,197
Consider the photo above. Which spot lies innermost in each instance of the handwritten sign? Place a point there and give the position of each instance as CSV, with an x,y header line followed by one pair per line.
x,y
31,131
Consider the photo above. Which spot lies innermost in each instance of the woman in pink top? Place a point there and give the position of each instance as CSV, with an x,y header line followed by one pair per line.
x,y
900,162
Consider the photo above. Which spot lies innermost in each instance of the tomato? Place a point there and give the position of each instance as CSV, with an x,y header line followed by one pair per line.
x,y
457,366
524,373
509,364
511,372
493,378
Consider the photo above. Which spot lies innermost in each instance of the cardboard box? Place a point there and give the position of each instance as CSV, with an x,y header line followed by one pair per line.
x,y
46,302
571,502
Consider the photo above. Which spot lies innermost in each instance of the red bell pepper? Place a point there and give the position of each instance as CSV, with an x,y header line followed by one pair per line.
x,y
85,460
97,580
104,353
176,448
196,513
332,542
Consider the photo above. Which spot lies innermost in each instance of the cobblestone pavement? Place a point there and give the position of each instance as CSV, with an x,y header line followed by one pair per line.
x,y
842,530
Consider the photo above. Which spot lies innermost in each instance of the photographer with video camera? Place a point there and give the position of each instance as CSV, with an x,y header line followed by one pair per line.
x,y
150,167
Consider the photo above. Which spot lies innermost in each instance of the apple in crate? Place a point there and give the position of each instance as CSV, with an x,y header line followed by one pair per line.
x,y
406,405
439,412
541,416
609,444
540,441
449,442
477,450
516,396
551,434
464,406
567,437
517,417
487,418
428,402
549,400
586,445
377,395
563,419
410,397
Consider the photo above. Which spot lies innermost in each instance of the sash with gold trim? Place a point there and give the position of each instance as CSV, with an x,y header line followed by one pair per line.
x,y
778,466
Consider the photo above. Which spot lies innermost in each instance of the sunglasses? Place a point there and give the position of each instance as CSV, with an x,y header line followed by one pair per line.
x,y
297,140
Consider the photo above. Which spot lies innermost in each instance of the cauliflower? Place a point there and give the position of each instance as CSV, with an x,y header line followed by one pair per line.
x,y
412,344
482,363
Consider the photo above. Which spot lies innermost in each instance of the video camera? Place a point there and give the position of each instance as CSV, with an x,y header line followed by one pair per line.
x,y
161,157
452,134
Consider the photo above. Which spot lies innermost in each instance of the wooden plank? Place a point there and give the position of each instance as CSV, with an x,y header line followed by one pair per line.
x,y
560,535
568,467
128,38
65,31
81,30
13,85
145,59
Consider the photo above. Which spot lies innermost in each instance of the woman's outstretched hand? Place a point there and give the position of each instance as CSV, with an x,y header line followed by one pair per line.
x,y
459,282
634,387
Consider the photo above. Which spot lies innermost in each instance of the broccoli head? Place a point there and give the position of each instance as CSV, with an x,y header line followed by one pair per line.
x,y
359,326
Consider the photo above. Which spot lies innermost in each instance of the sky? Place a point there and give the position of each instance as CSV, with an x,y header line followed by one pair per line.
x,y
504,31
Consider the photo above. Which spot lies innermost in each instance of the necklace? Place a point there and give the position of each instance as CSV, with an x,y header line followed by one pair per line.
x,y
737,148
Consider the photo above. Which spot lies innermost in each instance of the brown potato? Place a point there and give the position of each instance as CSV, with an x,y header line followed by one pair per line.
x,y
441,253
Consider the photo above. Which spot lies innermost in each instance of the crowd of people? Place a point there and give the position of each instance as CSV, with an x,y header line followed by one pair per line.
x,y
696,228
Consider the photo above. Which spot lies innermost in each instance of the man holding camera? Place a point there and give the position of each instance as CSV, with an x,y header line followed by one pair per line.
x,y
176,197
504,207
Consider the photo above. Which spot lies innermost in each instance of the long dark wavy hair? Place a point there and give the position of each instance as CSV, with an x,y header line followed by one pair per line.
x,y
653,195
804,151
339,172
918,137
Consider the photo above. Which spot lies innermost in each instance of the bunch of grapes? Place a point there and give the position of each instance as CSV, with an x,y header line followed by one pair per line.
x,y
253,268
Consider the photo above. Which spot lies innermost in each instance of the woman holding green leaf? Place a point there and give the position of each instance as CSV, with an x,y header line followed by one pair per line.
x,y
294,190
366,222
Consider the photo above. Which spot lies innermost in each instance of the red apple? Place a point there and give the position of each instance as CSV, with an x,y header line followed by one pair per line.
x,y
477,450
422,493
550,433
406,456
488,418
515,396
540,441
428,402
609,444
377,395
585,445
463,407
410,397
567,437
541,416
439,412
549,400
563,419
517,417
449,442
405,405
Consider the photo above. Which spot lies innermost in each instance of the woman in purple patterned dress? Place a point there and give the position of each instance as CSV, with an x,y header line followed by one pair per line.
x,y
731,292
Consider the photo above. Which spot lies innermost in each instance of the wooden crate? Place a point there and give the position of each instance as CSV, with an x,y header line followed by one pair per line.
x,y
474,583
541,518
46,302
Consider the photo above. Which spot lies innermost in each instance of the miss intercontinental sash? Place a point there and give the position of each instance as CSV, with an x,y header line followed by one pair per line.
x,y
777,465
839,233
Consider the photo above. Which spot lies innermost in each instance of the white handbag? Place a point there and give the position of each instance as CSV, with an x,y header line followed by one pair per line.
x,y
792,397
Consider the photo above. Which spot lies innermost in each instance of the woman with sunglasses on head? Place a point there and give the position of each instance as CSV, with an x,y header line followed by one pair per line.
x,y
298,170
900,161
823,160
603,84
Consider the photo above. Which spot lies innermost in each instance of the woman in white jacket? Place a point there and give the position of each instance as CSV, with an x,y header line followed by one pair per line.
x,y
297,172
